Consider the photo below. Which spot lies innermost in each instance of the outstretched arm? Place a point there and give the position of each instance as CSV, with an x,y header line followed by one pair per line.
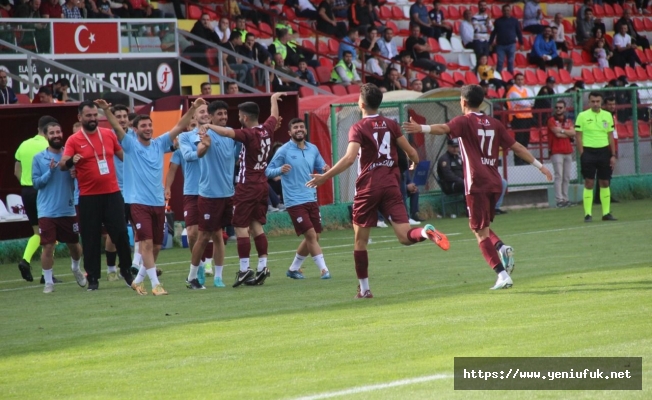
x,y
185,121
106,107
436,129
220,130
341,166
276,97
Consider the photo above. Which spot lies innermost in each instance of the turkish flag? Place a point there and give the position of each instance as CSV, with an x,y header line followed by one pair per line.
x,y
86,37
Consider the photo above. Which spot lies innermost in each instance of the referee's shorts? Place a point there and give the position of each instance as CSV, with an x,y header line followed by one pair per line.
x,y
596,160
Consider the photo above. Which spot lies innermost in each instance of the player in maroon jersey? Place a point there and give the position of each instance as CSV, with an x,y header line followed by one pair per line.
x,y
480,138
376,139
250,198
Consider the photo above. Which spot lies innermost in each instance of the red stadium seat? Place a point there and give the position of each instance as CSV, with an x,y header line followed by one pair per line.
x,y
598,10
265,30
322,48
397,13
520,61
458,76
648,69
385,13
326,88
639,25
211,56
577,59
326,62
599,75
587,58
446,80
333,47
308,45
641,74
535,134
609,10
517,12
609,74
305,28
647,23
530,77
629,126
619,72
565,77
305,91
353,89
289,13
643,129
434,45
323,74
641,54
568,26
471,78
553,73
541,77
194,12
507,76
618,9
22,98
339,90
454,13
587,76
630,73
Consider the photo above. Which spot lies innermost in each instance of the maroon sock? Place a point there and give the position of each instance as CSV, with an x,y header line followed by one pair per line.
x,y
495,240
208,251
261,244
489,253
244,247
361,263
415,236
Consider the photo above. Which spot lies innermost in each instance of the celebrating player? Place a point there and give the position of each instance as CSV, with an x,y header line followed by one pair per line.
x,y
376,139
480,138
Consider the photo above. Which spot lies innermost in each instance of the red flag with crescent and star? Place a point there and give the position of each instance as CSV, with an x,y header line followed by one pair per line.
x,y
86,37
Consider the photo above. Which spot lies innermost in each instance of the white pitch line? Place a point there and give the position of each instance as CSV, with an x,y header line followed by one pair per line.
x,y
381,386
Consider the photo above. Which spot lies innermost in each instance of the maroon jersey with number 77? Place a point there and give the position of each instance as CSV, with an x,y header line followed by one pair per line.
x,y
256,144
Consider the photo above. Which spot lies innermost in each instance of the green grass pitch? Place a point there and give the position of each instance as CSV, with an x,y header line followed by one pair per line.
x,y
580,290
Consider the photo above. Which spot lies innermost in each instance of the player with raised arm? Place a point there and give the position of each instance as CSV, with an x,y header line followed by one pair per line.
x,y
294,162
480,139
250,199
375,140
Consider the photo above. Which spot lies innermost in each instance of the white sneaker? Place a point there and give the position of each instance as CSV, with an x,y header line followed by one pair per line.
x,y
381,224
413,222
503,284
208,270
49,288
272,209
507,258
80,277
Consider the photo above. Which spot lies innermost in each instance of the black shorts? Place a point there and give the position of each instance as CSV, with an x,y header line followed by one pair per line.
x,y
28,193
596,160
127,213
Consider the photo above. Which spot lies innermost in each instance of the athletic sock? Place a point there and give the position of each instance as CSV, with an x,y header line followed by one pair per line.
x,y
321,263
489,253
151,273
588,201
296,264
193,272
495,240
260,242
218,271
75,264
140,277
605,200
416,235
110,257
244,264
364,285
32,245
47,275
138,258
262,263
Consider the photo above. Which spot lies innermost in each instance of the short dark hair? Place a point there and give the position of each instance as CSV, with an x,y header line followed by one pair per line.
x,y
371,96
596,94
53,123
85,103
240,17
132,116
235,35
588,10
216,105
248,35
249,108
473,94
63,82
371,29
609,99
119,107
44,121
140,117
561,102
345,52
45,89
518,74
204,84
352,31
295,121
231,83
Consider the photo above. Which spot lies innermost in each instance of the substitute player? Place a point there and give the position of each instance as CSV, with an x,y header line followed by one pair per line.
x,y
480,139
375,140
294,162
595,142
56,209
250,199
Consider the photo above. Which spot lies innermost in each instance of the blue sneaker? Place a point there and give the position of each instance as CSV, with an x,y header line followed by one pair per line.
x,y
201,275
325,274
294,274
217,282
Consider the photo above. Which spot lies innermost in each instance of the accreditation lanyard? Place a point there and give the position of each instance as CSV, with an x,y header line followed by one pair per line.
x,y
101,164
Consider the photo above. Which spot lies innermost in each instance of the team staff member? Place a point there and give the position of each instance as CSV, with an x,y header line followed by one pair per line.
x,y
91,152
23,171
560,132
56,210
595,142
294,162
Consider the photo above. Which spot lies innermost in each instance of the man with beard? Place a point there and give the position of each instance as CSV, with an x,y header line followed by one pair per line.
x,y
144,192
90,151
294,162
7,95
57,220
216,155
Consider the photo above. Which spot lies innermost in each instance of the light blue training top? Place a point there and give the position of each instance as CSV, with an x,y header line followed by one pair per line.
x,y
216,167
55,187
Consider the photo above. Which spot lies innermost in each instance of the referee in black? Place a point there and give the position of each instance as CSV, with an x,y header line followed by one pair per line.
x,y
595,143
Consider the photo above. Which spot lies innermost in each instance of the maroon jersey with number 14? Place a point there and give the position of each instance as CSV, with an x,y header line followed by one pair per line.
x,y
378,158
256,144
481,138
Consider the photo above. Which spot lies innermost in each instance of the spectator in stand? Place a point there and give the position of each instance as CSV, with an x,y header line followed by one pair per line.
x,y
326,22
51,9
584,27
70,10
420,50
544,51
624,49
345,71
232,88
341,8
589,45
388,48
303,8
467,30
369,43
506,30
532,17
203,29
375,68
241,27
405,69
104,9
304,73
416,85
44,95
602,54
482,28
486,72
626,19
282,44
560,132
439,27
642,6
41,33
142,9
241,69
223,29
521,118
280,83
252,49
581,11
206,89
431,81
360,15
349,44
392,80
542,105
419,17
558,33
7,95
